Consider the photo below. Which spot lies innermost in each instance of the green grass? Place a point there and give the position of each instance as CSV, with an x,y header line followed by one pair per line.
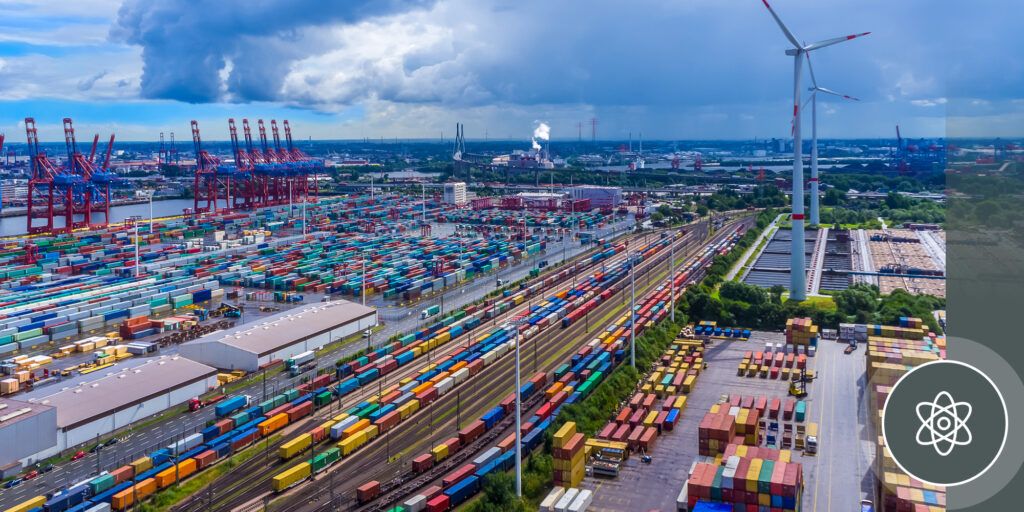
x,y
824,303
171,496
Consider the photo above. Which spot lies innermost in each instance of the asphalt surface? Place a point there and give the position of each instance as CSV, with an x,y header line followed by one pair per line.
x,y
388,457
162,433
835,479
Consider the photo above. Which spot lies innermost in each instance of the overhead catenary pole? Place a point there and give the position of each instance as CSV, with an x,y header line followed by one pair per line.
x,y
672,276
632,311
519,426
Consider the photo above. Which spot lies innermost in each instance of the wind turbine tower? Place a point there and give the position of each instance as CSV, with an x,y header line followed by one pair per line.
x,y
797,267
815,89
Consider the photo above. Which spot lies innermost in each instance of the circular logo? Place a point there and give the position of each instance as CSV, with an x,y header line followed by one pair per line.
x,y
945,423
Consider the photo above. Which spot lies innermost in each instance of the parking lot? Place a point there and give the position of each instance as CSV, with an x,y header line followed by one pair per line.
x,y
836,479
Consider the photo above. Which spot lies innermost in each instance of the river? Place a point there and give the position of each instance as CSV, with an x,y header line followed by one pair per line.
x,y
13,226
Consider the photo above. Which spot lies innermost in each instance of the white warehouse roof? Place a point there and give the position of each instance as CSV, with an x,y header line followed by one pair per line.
x,y
289,327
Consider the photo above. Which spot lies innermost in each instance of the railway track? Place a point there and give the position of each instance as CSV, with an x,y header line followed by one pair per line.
x,y
254,473
333,493
247,486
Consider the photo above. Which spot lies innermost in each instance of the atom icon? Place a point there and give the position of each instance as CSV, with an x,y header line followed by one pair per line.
x,y
944,423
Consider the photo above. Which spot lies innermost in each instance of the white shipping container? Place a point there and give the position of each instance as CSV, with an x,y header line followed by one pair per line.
x,y
461,375
548,504
444,386
102,507
489,455
682,500
417,503
582,501
562,505
340,426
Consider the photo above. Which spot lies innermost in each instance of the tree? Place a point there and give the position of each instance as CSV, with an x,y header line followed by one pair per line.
x,y
834,197
750,294
702,210
776,292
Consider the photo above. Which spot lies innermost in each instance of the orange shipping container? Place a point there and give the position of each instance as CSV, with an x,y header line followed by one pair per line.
x,y
273,424
354,428
168,476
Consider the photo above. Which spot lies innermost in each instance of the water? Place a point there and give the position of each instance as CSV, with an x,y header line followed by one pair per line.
x,y
13,226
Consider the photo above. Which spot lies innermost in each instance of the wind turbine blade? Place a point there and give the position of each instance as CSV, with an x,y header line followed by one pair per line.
x,y
830,42
789,35
834,93
810,69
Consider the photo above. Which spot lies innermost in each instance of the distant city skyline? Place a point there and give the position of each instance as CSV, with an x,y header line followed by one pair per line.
x,y
345,70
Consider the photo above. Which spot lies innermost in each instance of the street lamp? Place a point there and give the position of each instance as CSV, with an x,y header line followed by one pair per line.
x,y
632,310
134,220
519,428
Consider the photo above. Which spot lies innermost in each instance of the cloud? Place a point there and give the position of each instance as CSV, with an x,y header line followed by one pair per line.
x,y
185,47
929,102
87,83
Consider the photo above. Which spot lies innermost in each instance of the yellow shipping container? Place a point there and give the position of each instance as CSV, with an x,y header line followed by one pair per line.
x,y
28,504
352,443
141,464
440,452
407,409
651,416
370,433
340,416
564,433
688,383
294,447
291,476
753,474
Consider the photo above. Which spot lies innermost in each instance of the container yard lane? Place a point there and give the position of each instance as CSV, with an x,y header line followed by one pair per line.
x,y
390,456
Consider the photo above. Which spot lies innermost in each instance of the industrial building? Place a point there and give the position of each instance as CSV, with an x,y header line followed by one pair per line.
x,y
95,408
280,336
455,193
600,197
27,429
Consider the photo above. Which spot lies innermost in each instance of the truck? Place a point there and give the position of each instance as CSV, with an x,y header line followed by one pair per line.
x,y
300,359
196,403
867,506
811,439
429,312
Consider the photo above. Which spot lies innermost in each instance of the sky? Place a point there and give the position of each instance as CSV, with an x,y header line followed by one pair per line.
x,y
348,69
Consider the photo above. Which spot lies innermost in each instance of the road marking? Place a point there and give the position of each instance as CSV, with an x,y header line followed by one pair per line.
x,y
831,421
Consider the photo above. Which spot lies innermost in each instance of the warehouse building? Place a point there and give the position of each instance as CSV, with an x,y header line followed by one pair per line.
x,y
280,336
98,407
600,197
26,429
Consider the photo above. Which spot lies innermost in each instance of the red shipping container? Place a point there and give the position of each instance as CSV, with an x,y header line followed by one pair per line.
x,y
438,504
123,474
648,402
475,367
471,432
508,404
427,396
623,415
544,411
659,422
508,443
621,433
637,417
205,459
423,462
368,491
453,445
455,476
607,431
388,421
299,411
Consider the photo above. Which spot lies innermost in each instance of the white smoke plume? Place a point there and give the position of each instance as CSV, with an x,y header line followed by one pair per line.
x,y
542,132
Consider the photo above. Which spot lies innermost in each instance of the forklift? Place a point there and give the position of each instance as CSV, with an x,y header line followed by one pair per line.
x,y
798,388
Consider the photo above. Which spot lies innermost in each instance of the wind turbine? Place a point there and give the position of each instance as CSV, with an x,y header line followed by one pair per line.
x,y
815,89
797,270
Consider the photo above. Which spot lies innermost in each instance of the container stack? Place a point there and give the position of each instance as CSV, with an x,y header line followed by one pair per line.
x,y
747,483
801,332
853,332
717,429
569,455
891,353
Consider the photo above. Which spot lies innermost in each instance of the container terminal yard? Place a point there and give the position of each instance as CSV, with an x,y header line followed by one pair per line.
x,y
357,353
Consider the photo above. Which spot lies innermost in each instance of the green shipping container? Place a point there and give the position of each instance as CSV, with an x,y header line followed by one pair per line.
x,y
323,399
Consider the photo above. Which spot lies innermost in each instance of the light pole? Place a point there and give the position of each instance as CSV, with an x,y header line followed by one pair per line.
x,y
134,219
149,195
632,311
519,426
672,276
